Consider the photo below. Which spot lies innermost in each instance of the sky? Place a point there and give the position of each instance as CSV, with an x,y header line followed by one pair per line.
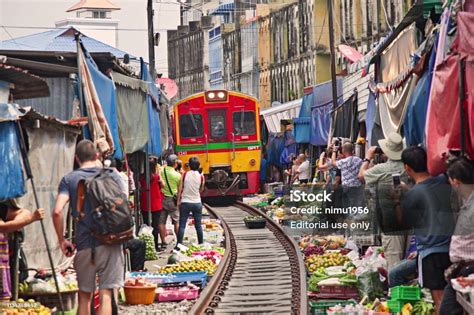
x,y
26,17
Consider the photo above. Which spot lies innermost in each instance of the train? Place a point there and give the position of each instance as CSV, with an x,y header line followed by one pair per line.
x,y
221,128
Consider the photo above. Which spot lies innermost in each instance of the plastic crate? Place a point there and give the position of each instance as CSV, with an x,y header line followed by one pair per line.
x,y
198,278
51,300
177,294
344,292
320,307
405,293
255,224
396,306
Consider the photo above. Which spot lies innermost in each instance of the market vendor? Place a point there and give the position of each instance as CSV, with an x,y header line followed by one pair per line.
x,y
12,218
461,251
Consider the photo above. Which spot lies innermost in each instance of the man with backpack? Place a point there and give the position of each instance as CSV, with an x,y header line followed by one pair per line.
x,y
171,179
103,224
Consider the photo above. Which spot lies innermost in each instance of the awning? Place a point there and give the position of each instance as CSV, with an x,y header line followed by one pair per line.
x,y
273,116
27,85
225,8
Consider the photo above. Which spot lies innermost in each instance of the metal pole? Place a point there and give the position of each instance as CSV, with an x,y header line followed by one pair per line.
x,y
26,164
333,54
79,74
147,175
151,39
16,265
461,109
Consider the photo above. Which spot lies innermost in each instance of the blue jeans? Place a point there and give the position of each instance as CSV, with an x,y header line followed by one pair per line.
x,y
402,273
196,210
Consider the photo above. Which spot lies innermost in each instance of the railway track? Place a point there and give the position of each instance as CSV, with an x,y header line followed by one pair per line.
x,y
261,271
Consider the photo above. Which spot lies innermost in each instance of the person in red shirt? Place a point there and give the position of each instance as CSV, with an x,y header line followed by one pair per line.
x,y
156,198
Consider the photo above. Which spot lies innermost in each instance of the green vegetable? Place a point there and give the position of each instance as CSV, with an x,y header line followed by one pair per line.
x,y
422,308
150,252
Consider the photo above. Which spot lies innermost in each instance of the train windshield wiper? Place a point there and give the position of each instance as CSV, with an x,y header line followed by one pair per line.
x,y
193,121
242,121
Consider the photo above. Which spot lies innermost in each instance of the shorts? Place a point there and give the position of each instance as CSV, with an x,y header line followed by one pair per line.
x,y
109,267
169,208
304,181
433,267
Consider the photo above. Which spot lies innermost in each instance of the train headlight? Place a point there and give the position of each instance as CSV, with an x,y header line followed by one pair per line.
x,y
216,96
221,95
211,95
253,162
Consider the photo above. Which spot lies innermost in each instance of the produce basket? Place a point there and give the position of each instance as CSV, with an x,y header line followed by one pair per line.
x,y
406,293
255,222
51,300
344,292
198,278
139,295
320,307
396,306
177,294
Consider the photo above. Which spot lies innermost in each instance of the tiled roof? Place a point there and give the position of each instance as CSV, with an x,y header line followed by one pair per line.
x,y
93,4
58,40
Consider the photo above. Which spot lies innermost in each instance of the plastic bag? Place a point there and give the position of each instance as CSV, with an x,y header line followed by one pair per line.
x,y
370,285
146,234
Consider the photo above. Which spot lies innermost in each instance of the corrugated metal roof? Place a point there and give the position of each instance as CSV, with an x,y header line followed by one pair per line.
x,y
27,85
59,40
59,104
274,115
356,80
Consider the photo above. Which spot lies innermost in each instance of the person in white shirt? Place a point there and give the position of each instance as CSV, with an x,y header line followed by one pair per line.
x,y
189,199
303,172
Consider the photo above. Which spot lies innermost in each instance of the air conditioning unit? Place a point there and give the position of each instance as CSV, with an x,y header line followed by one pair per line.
x,y
206,21
194,26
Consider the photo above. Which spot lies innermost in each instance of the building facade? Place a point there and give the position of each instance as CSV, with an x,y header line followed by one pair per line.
x,y
279,48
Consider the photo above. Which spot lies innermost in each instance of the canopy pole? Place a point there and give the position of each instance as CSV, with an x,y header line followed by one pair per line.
x,y
461,108
147,176
333,54
29,175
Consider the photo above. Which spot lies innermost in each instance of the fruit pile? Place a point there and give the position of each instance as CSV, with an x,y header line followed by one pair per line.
x,y
150,252
211,255
138,282
22,307
326,260
192,266
199,248
328,242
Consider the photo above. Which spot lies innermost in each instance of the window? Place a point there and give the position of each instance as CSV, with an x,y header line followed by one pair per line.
x,y
190,126
243,123
99,15
217,124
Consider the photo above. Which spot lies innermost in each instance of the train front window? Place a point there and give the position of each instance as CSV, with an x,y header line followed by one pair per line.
x,y
217,124
243,123
190,126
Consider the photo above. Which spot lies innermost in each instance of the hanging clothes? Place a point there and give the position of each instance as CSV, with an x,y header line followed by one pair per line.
x,y
320,124
98,126
415,118
105,90
443,127
345,120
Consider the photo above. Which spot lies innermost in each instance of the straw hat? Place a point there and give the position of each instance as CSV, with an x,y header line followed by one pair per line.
x,y
392,146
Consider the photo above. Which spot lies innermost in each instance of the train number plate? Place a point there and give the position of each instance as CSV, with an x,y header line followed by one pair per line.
x,y
182,153
254,147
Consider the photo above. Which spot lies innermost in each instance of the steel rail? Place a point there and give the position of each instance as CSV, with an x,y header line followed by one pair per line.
x,y
292,292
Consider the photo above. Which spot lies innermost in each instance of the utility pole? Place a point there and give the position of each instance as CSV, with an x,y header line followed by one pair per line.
x,y
151,38
333,54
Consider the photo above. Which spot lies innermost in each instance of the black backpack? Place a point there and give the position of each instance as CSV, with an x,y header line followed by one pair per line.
x,y
112,218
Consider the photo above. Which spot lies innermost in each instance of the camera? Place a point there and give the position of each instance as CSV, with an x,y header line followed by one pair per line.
x,y
378,155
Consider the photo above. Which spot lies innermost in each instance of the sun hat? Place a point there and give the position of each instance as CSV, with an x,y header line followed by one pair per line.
x,y
392,146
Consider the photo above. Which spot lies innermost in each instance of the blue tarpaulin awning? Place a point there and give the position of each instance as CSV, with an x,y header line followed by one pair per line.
x,y
225,8
154,128
302,124
321,111
12,182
